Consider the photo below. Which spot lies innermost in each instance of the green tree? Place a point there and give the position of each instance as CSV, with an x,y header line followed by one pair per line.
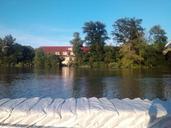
x,y
42,60
130,33
128,56
95,38
77,47
1,41
7,44
52,61
39,59
111,54
28,54
157,34
158,38
7,51
127,30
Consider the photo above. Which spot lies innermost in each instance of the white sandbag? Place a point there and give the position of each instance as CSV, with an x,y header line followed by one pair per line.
x,y
96,113
7,107
37,112
68,114
124,110
52,113
142,111
20,112
82,110
110,114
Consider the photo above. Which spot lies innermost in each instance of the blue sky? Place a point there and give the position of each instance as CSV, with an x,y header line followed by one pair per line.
x,y
52,22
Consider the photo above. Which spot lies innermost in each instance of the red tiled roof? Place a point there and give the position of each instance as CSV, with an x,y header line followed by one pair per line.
x,y
53,49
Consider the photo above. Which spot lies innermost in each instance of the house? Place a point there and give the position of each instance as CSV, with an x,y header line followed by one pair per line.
x,y
64,51
167,51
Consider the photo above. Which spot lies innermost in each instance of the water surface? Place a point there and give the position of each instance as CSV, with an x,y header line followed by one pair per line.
x,y
72,82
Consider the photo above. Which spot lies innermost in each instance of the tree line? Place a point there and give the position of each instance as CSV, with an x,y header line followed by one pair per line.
x,y
42,60
13,54
134,48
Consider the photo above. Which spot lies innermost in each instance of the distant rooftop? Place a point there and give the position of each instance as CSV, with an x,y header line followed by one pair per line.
x,y
53,49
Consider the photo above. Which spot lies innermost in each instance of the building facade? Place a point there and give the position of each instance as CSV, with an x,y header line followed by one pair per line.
x,y
64,51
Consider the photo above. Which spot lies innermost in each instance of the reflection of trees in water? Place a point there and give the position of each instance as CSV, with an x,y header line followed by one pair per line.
x,y
6,80
167,88
67,82
88,83
152,87
95,87
144,83
129,83
6,75
111,87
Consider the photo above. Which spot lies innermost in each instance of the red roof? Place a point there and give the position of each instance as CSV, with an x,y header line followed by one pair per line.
x,y
53,49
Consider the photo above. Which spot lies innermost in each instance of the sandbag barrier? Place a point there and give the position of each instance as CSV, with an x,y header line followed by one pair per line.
x,y
84,113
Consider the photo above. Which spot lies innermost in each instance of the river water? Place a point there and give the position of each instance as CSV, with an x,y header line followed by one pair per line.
x,y
74,82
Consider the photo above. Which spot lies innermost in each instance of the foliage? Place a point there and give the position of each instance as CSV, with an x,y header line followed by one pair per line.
x,y
157,34
95,38
43,60
127,30
129,58
12,53
39,59
52,61
77,48
111,54
133,49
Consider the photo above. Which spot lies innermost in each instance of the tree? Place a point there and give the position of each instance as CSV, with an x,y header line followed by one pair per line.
x,y
158,38
18,53
130,33
128,57
77,45
157,34
39,60
52,61
7,44
111,54
95,38
1,41
42,60
28,54
127,29
8,40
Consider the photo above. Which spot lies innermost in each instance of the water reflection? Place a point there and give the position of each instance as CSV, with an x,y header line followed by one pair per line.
x,y
72,82
130,84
